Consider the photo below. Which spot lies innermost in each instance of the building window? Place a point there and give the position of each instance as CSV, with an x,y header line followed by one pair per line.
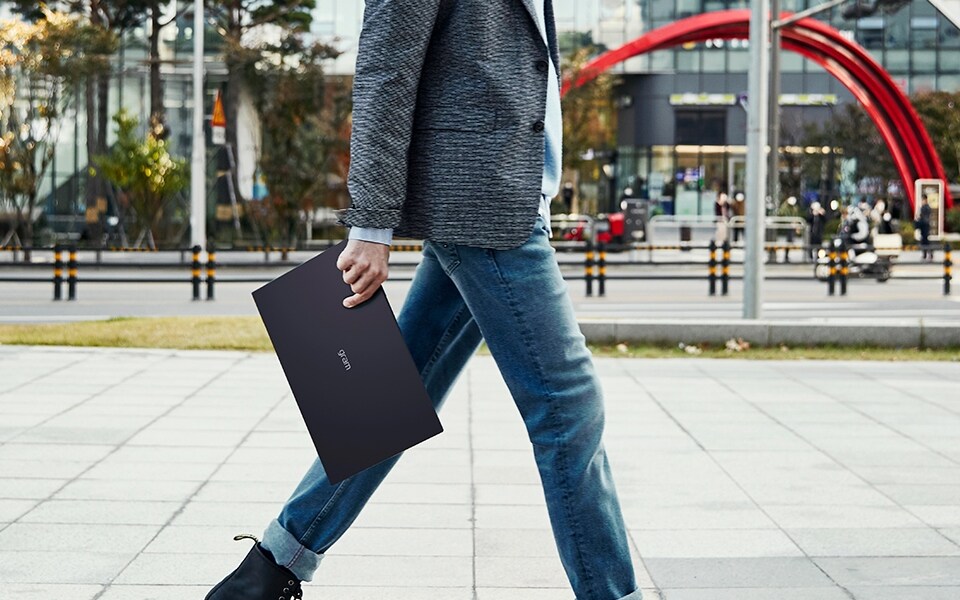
x,y
700,128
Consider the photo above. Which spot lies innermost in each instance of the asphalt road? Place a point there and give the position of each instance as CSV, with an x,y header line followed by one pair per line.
x,y
792,294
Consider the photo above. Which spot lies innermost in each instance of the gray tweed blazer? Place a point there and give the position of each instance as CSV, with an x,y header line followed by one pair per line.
x,y
448,106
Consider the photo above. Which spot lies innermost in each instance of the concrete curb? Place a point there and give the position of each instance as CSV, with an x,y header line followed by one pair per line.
x,y
893,333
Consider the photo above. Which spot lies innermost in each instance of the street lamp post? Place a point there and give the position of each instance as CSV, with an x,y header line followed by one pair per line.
x,y
198,158
757,110
763,125
773,170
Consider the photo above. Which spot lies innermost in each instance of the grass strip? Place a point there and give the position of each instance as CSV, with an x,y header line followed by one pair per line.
x,y
248,333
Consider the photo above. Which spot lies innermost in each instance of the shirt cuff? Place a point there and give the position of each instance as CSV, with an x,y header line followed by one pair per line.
x,y
371,234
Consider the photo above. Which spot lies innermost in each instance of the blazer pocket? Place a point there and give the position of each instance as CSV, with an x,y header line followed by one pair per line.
x,y
450,117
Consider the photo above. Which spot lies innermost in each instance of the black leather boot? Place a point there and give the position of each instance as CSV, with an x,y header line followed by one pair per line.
x,y
257,578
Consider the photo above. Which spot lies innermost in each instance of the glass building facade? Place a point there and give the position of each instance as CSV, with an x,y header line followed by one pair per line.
x,y
680,131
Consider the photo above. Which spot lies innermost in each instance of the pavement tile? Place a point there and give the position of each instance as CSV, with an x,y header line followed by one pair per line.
x,y
515,542
371,541
873,542
48,469
182,454
424,493
705,515
101,511
28,489
53,452
937,516
896,571
201,539
238,514
127,490
520,571
905,592
419,516
155,592
735,572
396,571
45,591
766,593
512,517
102,537
837,516
920,474
528,593
151,471
243,491
394,593
10,510
19,566
700,543
530,494
182,568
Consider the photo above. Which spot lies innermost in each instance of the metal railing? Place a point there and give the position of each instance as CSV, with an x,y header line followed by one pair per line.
x,y
596,269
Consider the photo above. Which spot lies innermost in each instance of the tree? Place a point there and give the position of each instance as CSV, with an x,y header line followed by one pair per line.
x,y
115,16
940,112
589,111
851,129
42,66
237,21
302,112
145,173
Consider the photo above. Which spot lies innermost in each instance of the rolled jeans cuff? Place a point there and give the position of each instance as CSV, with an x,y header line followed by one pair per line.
x,y
288,552
636,595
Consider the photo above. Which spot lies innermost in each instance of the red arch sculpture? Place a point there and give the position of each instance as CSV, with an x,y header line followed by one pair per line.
x,y
890,110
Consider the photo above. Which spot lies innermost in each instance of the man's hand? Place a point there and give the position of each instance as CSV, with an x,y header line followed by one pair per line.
x,y
364,266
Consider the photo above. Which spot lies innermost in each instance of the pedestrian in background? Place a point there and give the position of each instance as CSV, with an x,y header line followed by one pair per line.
x,y
922,225
789,209
456,140
722,213
816,220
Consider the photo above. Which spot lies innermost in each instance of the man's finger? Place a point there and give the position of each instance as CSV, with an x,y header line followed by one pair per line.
x,y
364,289
345,261
354,274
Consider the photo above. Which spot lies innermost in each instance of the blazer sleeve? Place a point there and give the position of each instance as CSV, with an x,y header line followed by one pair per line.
x,y
393,42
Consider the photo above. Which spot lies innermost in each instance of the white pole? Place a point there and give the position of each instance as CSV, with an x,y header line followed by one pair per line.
x,y
757,107
198,160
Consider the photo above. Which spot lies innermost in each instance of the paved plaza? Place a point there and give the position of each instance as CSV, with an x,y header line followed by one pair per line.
x,y
124,475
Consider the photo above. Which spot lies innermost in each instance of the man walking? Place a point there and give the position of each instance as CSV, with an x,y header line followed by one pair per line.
x,y
457,140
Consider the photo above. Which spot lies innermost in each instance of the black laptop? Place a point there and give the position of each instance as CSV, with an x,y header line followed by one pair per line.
x,y
350,371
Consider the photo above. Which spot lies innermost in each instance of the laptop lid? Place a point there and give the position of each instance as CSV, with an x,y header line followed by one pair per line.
x,y
350,371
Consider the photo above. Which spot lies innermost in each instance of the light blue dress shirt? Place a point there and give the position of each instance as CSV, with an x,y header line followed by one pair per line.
x,y
552,146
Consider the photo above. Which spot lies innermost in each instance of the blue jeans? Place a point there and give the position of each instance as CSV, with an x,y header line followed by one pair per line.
x,y
517,301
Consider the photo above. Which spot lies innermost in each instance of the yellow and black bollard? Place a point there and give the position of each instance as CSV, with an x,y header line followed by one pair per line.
x,y
844,269
57,273
725,269
602,268
72,275
712,268
832,274
195,272
211,272
947,269
588,267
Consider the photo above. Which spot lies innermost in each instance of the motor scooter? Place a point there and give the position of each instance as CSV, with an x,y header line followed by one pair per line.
x,y
855,242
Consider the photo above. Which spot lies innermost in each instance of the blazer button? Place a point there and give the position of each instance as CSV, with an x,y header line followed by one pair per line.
x,y
542,66
538,125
